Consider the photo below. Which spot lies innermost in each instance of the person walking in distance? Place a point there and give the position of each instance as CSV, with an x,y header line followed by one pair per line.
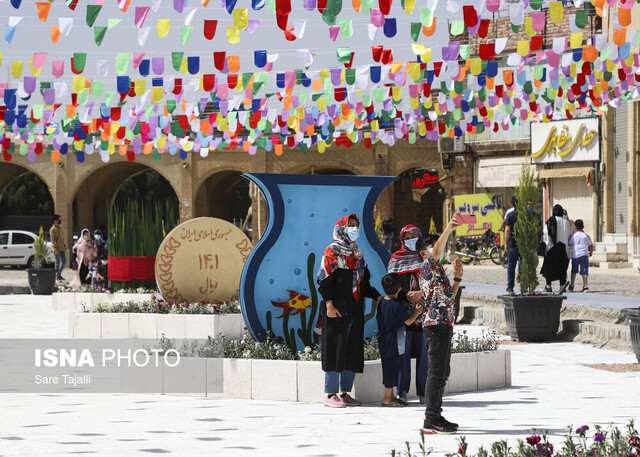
x,y
513,254
581,250
59,246
557,231
440,300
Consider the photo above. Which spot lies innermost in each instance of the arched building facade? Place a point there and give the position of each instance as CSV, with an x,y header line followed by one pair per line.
x,y
214,186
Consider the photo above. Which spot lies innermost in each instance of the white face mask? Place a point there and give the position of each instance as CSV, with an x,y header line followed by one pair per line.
x,y
98,237
411,244
104,262
353,233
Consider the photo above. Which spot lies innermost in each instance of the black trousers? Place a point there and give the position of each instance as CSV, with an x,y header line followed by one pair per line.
x,y
438,342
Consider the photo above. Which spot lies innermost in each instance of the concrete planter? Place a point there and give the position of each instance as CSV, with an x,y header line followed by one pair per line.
x,y
78,301
291,380
149,325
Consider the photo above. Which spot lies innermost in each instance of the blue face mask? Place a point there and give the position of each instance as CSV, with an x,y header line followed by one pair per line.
x,y
352,232
411,244
441,255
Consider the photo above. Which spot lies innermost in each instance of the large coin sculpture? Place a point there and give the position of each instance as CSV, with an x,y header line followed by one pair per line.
x,y
202,259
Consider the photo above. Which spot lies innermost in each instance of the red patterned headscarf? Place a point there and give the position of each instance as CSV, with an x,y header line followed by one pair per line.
x,y
343,254
404,260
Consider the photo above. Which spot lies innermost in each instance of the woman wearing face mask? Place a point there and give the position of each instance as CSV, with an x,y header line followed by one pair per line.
x,y
557,232
86,250
101,244
344,284
407,262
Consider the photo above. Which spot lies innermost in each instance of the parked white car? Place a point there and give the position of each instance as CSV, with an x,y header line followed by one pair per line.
x,y
16,248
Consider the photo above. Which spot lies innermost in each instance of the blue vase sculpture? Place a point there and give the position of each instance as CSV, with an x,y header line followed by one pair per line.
x,y
278,289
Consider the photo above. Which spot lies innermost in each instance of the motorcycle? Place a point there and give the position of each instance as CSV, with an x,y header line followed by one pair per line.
x,y
474,249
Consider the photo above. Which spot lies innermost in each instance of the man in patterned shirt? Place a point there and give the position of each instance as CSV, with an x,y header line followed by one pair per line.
x,y
440,298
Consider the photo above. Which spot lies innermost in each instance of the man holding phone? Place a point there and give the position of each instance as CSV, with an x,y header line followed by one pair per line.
x,y
440,300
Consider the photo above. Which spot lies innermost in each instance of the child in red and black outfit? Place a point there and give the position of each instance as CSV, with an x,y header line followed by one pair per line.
x,y
392,320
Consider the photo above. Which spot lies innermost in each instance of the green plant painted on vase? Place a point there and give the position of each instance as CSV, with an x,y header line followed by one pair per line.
x,y
307,308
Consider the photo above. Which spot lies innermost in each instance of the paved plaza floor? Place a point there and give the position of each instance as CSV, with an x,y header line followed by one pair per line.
x,y
551,390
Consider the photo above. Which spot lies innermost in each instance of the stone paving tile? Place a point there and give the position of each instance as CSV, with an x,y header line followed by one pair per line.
x,y
551,390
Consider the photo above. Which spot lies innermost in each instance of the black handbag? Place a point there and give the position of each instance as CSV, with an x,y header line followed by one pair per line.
x,y
542,248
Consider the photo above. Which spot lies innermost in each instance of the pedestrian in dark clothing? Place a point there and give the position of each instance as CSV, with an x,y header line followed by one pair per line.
x,y
513,254
557,232
344,284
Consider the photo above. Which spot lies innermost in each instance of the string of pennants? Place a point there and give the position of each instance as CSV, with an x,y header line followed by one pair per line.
x,y
330,10
201,109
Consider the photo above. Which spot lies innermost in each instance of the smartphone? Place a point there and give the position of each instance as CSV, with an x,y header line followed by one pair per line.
x,y
466,219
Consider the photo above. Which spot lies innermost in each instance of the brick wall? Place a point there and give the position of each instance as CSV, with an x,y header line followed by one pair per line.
x,y
501,27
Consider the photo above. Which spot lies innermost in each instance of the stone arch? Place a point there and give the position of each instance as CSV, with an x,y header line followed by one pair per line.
x,y
90,170
10,172
92,196
416,207
223,194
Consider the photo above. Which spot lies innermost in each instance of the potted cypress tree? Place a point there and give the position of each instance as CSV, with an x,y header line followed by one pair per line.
x,y
530,316
41,280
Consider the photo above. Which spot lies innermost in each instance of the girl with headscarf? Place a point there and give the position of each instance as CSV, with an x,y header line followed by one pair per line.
x,y
344,283
407,263
85,249
556,234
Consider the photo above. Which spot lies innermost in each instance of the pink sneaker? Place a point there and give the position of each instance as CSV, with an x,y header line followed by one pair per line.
x,y
334,401
349,400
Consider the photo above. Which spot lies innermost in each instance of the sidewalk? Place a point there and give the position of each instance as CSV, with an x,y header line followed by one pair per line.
x,y
573,298
620,283
551,389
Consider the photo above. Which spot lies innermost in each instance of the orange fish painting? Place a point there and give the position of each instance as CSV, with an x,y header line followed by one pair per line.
x,y
297,302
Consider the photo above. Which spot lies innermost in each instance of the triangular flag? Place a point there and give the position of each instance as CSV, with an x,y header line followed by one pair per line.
x,y
111,23
65,24
164,25
176,59
143,35
43,10
55,34
185,35
99,33
92,14
140,15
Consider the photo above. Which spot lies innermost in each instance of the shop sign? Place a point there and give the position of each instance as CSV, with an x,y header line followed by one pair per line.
x,y
574,140
423,179
486,207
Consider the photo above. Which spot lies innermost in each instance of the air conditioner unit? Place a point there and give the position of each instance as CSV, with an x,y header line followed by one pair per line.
x,y
450,145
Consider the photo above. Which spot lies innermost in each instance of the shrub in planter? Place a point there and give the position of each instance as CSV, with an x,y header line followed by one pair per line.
x,y
160,306
530,316
41,280
151,221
